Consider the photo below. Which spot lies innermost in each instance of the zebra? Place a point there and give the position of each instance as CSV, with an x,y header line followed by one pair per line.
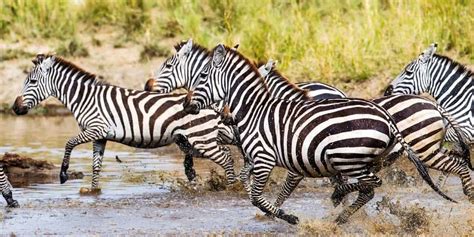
x,y
450,83
5,189
109,113
316,139
423,132
167,79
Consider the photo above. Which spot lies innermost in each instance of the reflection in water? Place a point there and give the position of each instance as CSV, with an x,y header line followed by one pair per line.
x,y
44,138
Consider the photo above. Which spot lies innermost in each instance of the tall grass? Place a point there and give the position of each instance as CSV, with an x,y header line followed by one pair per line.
x,y
325,40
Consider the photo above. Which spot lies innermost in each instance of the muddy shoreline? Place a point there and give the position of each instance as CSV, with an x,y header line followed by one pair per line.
x,y
230,212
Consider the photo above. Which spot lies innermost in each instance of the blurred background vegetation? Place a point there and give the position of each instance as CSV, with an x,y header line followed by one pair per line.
x,y
327,40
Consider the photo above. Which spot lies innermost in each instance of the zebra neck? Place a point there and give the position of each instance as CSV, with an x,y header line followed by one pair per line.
x,y
246,97
75,94
451,85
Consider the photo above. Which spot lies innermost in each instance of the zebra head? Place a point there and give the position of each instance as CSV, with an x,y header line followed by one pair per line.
x,y
181,70
210,88
37,86
415,78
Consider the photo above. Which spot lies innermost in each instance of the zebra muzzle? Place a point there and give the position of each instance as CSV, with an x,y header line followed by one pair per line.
x,y
18,106
189,106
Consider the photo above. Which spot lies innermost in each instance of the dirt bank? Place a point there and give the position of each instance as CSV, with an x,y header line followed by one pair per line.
x,y
24,171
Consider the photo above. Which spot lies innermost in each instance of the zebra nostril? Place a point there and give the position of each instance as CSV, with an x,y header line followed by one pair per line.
x,y
190,108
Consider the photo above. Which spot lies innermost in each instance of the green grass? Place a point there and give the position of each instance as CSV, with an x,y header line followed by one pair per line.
x,y
332,41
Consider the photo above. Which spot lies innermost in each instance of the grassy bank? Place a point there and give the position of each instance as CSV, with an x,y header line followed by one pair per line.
x,y
327,40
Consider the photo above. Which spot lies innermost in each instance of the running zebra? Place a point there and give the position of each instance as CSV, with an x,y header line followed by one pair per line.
x,y
168,79
420,122
315,139
447,81
110,113
5,189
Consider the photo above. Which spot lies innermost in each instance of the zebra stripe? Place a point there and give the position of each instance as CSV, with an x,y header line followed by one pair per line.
x,y
109,113
447,81
419,120
323,139
5,189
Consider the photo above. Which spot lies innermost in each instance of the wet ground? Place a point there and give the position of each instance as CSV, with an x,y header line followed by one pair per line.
x,y
147,194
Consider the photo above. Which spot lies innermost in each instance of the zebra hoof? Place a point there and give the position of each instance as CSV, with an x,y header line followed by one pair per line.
x,y
341,220
336,199
63,177
90,191
13,204
288,217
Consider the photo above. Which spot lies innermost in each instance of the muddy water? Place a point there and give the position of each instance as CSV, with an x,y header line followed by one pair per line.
x,y
44,138
132,202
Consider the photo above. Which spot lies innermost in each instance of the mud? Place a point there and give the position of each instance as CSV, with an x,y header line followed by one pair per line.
x,y
24,171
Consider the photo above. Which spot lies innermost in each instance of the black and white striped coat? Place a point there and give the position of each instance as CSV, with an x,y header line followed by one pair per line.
x,y
314,139
110,113
447,81
5,189
419,120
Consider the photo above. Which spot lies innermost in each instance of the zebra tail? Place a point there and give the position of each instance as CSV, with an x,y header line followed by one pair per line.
x,y
462,141
412,156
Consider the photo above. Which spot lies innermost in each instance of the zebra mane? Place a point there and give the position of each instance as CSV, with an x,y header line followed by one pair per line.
x,y
232,51
461,67
83,74
196,48
275,73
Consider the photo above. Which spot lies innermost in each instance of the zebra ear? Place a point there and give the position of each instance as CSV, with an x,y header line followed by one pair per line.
x,y
186,48
270,64
39,59
236,47
218,56
428,53
47,63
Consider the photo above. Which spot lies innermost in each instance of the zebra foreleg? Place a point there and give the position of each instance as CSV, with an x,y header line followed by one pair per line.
x,y
188,163
189,167
261,173
83,137
5,190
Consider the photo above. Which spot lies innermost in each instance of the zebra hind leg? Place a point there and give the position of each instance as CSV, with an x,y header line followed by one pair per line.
x,y
365,186
456,165
365,195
